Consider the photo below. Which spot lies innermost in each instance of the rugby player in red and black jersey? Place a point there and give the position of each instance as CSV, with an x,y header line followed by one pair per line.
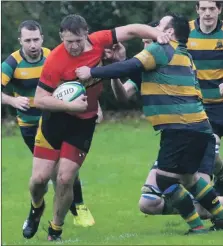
x,y
66,129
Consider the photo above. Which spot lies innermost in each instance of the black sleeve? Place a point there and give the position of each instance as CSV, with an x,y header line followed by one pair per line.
x,y
137,79
114,38
118,69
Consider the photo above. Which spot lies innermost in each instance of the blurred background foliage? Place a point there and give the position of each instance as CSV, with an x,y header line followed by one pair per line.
x,y
99,15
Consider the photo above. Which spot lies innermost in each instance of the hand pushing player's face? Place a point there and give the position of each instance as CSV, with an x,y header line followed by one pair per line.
x,y
208,13
74,44
31,42
162,26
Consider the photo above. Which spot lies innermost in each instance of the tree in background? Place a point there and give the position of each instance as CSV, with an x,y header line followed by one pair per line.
x,y
99,15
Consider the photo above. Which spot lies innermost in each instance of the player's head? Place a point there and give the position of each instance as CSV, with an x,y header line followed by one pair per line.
x,y
73,33
176,25
30,38
208,12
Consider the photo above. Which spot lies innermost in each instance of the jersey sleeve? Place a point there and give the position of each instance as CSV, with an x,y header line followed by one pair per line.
x,y
50,76
130,81
104,38
152,57
8,68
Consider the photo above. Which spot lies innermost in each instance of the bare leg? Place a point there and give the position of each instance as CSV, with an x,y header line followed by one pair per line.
x,y
64,189
41,173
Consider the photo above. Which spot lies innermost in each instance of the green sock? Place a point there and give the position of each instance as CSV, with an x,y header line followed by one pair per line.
x,y
184,204
206,196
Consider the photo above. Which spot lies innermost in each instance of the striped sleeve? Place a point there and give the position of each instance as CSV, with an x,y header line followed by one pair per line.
x,y
8,68
153,56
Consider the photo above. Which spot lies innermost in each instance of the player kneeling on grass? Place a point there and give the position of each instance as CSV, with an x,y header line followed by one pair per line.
x,y
152,200
171,102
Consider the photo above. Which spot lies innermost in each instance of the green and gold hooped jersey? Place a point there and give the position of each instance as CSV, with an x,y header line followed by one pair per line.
x,y
24,77
207,54
170,91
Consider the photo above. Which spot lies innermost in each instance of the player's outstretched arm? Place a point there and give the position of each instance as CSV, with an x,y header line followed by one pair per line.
x,y
114,71
142,31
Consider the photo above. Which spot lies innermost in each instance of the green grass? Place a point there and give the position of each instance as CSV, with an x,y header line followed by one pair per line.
x,y
112,176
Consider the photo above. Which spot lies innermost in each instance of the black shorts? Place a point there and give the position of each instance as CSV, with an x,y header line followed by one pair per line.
x,y
61,135
182,151
29,134
217,128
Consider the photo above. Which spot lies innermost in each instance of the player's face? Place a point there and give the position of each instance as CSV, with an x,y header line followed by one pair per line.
x,y
208,13
74,44
31,42
163,24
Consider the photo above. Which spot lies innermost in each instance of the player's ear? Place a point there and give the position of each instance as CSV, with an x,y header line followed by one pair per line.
x,y
42,36
170,31
197,9
19,39
61,36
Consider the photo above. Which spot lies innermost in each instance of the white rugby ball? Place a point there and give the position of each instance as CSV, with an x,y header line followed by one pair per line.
x,y
69,91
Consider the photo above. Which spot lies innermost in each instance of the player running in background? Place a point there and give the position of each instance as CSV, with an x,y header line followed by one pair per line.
x,y
22,70
205,44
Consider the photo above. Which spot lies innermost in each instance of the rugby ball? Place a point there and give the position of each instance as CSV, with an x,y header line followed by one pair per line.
x,y
69,91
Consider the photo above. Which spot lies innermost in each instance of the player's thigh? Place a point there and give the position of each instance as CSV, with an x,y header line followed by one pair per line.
x,y
67,170
29,133
78,139
50,136
42,170
207,164
181,151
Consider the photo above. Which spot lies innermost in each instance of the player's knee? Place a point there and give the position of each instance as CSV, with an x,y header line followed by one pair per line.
x,y
65,178
147,206
150,200
39,179
67,172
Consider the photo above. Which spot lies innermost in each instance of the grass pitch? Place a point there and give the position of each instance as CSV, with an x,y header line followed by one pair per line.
x,y
112,176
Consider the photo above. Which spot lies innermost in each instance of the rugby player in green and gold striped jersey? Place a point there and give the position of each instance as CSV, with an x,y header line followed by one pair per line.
x,y
172,103
22,70
205,44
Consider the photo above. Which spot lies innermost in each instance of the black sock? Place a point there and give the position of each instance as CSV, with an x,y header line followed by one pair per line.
x,y
77,190
78,196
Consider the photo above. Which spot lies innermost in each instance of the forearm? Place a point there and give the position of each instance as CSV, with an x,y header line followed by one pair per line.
x,y
124,33
50,103
6,99
118,69
119,90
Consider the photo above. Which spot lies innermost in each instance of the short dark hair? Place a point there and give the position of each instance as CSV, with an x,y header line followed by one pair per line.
x,y
218,4
74,24
181,27
153,23
30,25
